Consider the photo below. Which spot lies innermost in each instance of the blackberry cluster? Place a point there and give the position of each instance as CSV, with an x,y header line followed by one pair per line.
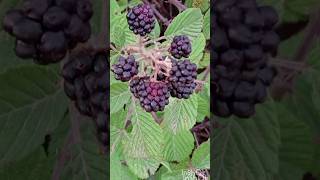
x,y
125,68
46,29
85,82
153,96
141,19
242,43
182,78
180,47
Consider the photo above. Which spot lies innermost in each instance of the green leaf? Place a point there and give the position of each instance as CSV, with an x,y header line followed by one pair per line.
x,y
118,171
31,105
189,22
181,114
119,96
247,149
205,61
35,166
119,23
86,161
201,156
206,25
143,148
203,103
177,147
179,171
297,149
114,8
198,46
155,33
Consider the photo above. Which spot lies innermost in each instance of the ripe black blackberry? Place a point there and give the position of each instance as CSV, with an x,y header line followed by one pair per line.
x,y
180,47
125,68
141,19
153,95
46,29
244,41
86,77
182,78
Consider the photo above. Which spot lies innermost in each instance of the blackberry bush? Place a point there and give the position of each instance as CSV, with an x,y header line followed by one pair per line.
x,y
160,103
244,41
46,29
141,19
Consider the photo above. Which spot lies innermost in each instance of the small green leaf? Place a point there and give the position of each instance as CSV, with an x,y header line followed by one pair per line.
x,y
189,23
206,25
177,146
119,96
143,148
181,114
118,171
198,46
155,33
31,105
201,156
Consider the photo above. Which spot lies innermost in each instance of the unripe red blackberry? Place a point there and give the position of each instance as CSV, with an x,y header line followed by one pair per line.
x,y
182,78
141,19
125,68
180,47
153,95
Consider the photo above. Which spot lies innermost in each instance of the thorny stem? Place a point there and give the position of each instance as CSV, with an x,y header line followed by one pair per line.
x,y
178,4
156,118
157,13
196,139
206,73
312,32
113,48
153,41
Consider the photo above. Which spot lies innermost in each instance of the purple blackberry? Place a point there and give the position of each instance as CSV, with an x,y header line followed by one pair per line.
x,y
182,78
125,68
136,83
46,29
245,39
86,78
141,19
180,47
153,96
